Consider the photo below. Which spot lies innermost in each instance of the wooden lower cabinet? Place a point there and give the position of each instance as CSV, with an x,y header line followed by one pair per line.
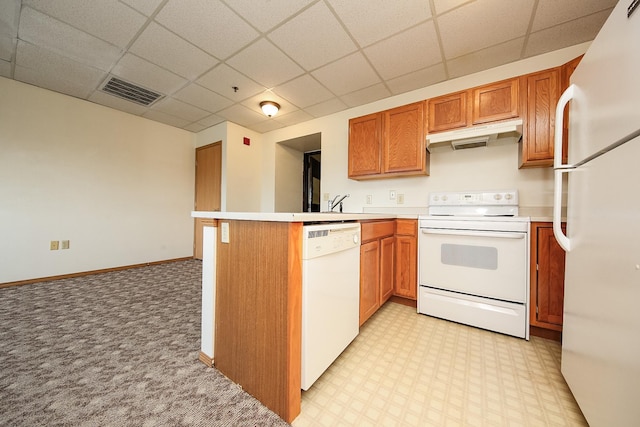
x,y
376,266
406,264
547,278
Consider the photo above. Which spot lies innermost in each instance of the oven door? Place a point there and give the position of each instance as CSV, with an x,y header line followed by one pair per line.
x,y
490,264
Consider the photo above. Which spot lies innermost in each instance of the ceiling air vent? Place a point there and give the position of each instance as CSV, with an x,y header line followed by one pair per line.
x,y
125,90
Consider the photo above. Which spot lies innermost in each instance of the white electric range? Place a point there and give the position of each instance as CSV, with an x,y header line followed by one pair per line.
x,y
473,261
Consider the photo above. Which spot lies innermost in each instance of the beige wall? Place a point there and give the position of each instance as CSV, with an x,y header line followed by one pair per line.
x,y
481,168
118,186
288,179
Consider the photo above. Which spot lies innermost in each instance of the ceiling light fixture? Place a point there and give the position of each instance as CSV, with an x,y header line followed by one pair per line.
x,y
270,108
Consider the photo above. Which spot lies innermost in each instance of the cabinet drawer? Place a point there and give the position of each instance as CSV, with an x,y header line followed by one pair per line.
x,y
406,227
377,229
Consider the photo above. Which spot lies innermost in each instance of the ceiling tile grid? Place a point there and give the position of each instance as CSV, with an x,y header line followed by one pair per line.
x,y
215,60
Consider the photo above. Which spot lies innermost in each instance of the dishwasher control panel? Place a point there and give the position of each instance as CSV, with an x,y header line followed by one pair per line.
x,y
324,239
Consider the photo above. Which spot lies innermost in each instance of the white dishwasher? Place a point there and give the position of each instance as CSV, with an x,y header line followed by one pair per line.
x,y
330,294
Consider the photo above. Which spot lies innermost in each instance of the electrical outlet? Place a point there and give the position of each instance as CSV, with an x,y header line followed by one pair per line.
x,y
53,245
400,199
369,199
64,244
325,197
392,194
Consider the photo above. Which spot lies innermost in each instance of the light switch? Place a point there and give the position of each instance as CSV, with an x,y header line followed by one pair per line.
x,y
224,232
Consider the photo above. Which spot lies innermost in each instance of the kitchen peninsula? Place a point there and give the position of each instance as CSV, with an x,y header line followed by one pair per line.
x,y
252,300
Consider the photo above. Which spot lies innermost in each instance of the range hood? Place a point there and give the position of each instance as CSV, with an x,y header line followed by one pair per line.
x,y
476,136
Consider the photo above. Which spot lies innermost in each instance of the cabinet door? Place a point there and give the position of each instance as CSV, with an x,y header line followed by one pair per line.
x,y
447,112
538,133
404,145
387,254
497,101
406,267
551,259
369,279
365,145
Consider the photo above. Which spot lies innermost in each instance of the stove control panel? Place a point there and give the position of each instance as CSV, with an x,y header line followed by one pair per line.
x,y
474,198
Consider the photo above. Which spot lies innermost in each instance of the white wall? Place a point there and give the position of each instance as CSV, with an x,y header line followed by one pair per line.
x,y
288,179
480,168
242,166
118,186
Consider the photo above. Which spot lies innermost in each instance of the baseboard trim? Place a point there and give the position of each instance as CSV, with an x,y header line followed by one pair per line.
x,y
88,273
205,359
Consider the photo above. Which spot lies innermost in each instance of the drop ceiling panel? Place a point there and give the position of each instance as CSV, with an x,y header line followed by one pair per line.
x,y
482,24
142,72
147,7
209,24
293,118
418,79
372,20
49,33
223,78
303,91
267,125
162,47
180,109
327,107
554,12
347,75
264,15
366,95
211,120
67,76
486,58
265,64
398,55
203,98
108,20
241,115
313,38
443,6
9,17
162,117
7,48
573,32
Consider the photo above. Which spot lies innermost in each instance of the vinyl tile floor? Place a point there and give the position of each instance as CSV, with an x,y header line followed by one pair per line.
x,y
407,369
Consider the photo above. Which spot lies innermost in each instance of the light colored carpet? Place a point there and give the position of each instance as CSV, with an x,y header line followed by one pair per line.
x,y
114,349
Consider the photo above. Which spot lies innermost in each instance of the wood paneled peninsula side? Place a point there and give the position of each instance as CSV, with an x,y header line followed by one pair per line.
x,y
252,300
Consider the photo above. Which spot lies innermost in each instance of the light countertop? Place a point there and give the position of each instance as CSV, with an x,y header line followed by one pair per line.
x,y
293,216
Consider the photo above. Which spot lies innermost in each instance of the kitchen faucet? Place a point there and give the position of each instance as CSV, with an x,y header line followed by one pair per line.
x,y
333,203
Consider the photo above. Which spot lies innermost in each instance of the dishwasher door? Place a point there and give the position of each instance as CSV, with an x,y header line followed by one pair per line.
x,y
330,295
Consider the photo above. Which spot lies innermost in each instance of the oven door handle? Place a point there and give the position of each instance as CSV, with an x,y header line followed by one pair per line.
x,y
475,233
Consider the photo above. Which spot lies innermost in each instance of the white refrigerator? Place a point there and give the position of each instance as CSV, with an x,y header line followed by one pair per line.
x,y
601,331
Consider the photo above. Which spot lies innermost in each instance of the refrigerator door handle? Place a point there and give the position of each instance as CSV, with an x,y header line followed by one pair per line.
x,y
559,169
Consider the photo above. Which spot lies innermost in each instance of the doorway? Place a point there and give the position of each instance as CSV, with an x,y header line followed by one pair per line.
x,y
298,174
208,188
311,182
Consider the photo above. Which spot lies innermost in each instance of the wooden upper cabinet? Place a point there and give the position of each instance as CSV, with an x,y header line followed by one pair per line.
x,y
388,143
565,80
447,112
543,91
484,104
494,102
403,145
365,145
